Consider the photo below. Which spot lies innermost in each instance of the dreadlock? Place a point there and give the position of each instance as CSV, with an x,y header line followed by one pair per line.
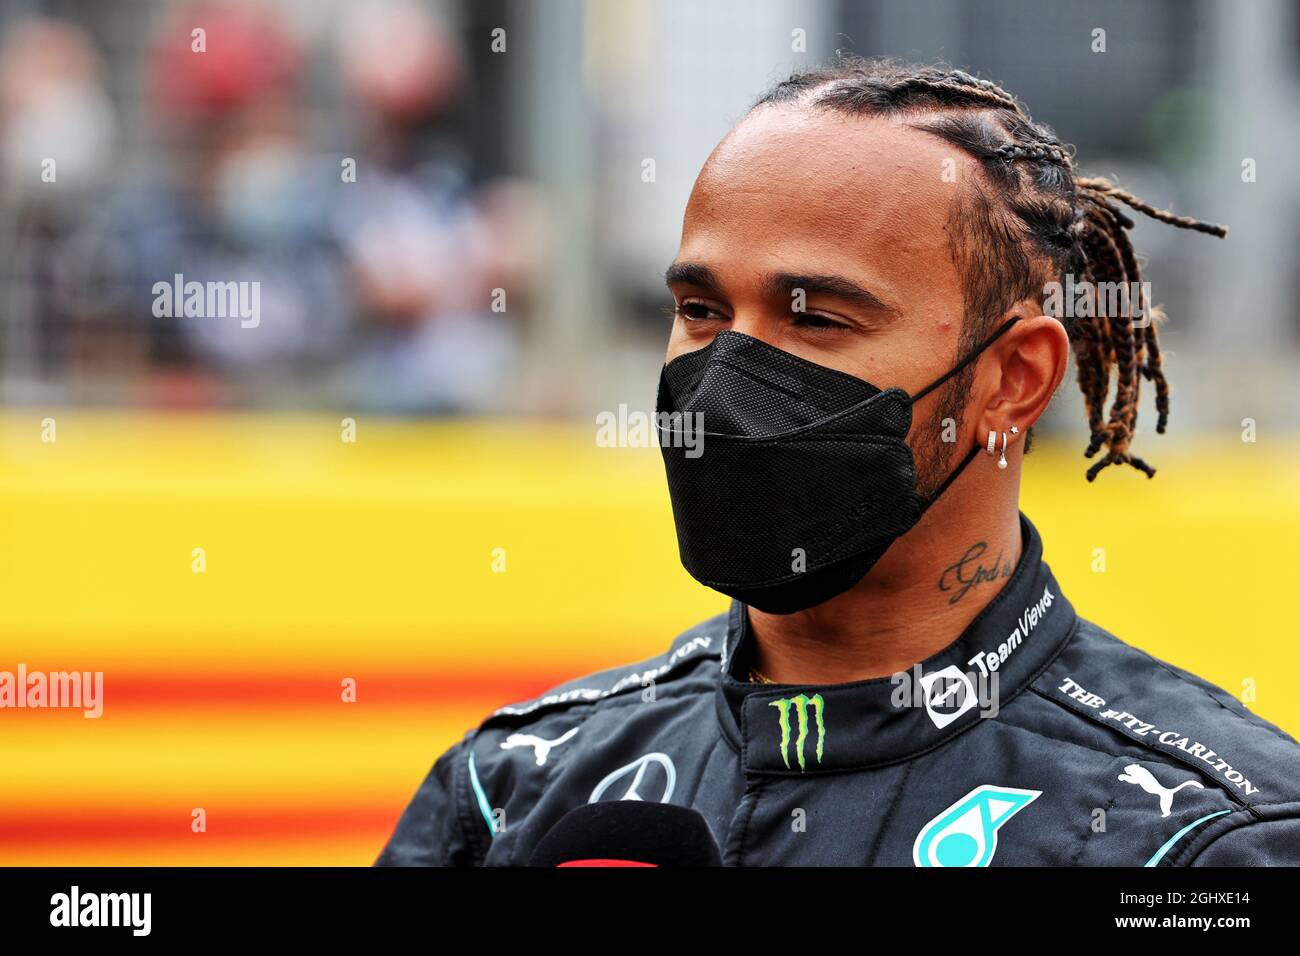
x,y
1041,223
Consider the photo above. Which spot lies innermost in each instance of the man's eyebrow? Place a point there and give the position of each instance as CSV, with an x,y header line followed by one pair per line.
x,y
691,273
784,284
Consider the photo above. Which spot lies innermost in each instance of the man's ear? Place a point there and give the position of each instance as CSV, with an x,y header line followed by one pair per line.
x,y
1029,362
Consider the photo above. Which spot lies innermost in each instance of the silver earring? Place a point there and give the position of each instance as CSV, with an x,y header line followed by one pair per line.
x,y
993,441
1002,462
1015,430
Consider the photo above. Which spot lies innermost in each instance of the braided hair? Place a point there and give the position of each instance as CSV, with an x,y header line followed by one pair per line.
x,y
1040,222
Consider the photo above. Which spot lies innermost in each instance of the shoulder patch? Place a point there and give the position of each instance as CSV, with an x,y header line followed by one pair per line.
x,y
1175,714
704,640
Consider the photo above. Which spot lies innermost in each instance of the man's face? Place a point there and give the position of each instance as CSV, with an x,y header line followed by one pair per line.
x,y
852,211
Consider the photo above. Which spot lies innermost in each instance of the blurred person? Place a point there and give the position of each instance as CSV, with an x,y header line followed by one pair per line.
x,y
57,132
52,106
428,246
860,343
235,206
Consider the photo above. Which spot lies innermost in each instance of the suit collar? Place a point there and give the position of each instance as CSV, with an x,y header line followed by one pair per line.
x,y
809,728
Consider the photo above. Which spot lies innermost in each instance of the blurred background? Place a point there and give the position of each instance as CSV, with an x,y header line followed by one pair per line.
x,y
457,214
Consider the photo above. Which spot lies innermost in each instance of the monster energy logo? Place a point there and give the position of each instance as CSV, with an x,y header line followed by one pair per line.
x,y
800,705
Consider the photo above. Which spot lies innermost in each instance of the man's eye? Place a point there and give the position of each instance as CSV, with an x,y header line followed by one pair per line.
x,y
814,321
697,312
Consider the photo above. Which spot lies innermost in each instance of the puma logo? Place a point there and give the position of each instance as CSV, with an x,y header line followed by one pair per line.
x,y
1135,773
541,748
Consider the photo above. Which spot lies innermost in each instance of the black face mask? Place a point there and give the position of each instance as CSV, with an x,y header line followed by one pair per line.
x,y
796,479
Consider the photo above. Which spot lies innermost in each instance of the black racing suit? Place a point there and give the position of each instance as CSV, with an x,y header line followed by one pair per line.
x,y
1035,738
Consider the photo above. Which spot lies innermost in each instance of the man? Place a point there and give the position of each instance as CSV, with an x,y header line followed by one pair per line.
x,y
860,341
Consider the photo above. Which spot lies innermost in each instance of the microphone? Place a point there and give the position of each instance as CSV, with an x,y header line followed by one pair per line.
x,y
628,833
